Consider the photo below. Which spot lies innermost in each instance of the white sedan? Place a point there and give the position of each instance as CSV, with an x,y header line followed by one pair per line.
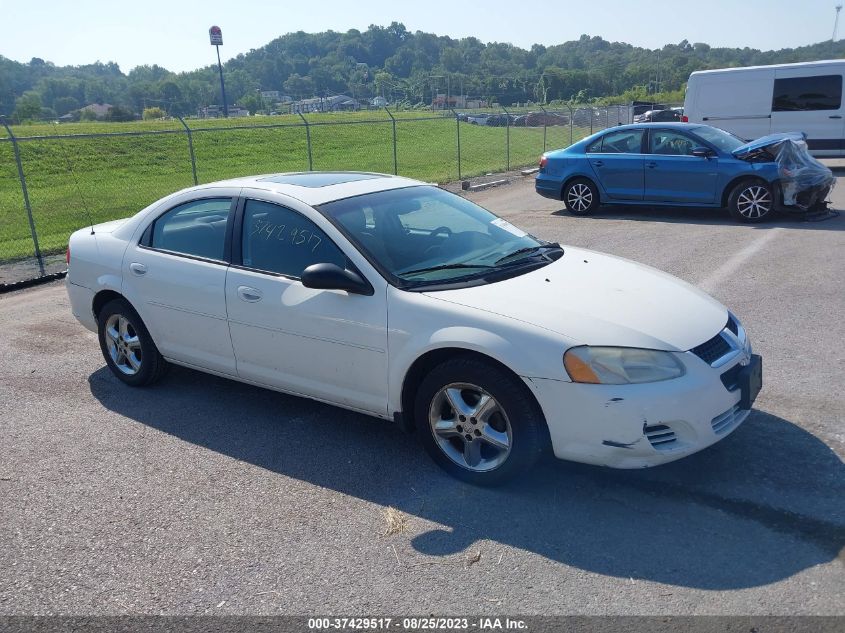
x,y
398,299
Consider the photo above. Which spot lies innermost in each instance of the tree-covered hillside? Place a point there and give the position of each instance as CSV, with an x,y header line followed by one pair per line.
x,y
389,61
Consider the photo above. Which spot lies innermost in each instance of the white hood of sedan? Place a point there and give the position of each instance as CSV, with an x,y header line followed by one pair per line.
x,y
597,299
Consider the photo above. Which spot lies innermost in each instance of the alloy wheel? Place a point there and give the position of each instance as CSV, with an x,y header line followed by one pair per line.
x,y
470,427
123,344
579,197
754,202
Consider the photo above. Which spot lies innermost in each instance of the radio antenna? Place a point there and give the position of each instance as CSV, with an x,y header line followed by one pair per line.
x,y
85,207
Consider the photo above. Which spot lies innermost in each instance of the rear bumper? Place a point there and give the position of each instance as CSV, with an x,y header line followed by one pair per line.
x,y
638,426
81,304
548,187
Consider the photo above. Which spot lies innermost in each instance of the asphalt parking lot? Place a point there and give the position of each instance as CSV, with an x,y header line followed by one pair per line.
x,y
204,496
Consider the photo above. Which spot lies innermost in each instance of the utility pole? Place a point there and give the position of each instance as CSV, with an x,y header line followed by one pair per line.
x,y
657,87
215,35
836,22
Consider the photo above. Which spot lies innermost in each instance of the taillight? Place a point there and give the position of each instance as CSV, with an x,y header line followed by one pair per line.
x,y
543,161
684,118
67,255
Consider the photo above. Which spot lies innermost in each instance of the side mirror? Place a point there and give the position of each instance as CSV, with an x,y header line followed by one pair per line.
x,y
702,152
332,277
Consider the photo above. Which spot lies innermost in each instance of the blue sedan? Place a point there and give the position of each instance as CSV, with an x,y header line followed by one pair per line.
x,y
663,164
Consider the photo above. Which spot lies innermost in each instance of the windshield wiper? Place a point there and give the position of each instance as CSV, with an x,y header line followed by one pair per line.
x,y
429,269
528,249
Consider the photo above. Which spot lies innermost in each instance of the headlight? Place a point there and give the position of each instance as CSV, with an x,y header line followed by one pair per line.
x,y
620,365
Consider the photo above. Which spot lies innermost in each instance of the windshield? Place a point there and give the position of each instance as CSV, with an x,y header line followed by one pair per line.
x,y
423,235
725,141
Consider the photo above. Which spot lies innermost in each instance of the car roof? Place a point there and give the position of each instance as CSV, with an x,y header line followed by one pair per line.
x,y
661,125
318,187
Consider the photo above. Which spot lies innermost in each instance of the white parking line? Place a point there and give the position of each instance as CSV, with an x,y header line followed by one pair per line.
x,y
715,278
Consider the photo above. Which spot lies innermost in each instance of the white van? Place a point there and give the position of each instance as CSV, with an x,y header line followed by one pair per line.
x,y
759,100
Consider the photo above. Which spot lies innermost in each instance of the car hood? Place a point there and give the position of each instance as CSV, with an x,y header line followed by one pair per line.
x,y
766,141
597,299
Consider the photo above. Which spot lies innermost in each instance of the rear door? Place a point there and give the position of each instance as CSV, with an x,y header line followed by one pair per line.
x,y
617,161
809,100
673,174
175,276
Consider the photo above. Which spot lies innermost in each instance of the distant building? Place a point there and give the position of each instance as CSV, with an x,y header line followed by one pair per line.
x,y
99,109
378,102
216,112
442,102
324,104
272,96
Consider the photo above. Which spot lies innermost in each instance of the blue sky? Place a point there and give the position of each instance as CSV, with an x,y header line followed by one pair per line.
x,y
175,34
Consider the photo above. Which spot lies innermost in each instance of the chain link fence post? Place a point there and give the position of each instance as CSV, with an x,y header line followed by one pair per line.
x,y
571,117
507,139
395,160
458,134
190,148
545,121
308,141
26,203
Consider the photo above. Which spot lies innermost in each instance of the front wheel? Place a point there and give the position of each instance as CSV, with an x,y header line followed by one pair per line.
x,y
581,197
477,422
751,201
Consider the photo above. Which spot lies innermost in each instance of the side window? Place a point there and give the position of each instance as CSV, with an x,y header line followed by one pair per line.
x,y
670,143
195,228
823,92
595,146
622,142
279,240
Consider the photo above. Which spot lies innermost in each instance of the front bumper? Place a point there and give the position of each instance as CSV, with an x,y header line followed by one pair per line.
x,y
637,426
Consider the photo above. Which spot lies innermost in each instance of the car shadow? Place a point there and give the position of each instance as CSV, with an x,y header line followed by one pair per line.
x,y
700,215
756,508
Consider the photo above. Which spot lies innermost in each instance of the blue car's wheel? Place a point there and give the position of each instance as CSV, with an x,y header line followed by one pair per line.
x,y
581,196
751,201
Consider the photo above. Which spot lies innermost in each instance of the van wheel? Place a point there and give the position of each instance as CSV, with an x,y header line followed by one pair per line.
x,y
478,423
751,201
127,346
581,197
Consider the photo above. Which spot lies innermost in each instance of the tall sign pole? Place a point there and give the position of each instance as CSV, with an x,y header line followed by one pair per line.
x,y
215,36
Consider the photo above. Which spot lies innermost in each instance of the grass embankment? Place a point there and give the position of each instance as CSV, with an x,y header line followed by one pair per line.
x,y
74,181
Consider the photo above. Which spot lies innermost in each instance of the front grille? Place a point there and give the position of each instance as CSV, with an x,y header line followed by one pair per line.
x,y
731,378
726,421
660,436
712,350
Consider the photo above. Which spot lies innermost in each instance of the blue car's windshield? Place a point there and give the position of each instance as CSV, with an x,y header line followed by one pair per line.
x,y
725,141
427,235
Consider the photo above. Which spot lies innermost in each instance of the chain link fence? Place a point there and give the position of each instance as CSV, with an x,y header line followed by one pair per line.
x,y
52,182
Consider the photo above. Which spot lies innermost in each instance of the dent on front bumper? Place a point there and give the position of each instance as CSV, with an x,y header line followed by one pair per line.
x,y
637,426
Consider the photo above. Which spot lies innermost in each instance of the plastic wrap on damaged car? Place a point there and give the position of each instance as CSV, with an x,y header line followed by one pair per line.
x,y
805,182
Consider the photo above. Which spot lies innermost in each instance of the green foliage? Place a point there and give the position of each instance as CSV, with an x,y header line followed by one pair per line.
x,y
119,113
401,65
28,107
150,114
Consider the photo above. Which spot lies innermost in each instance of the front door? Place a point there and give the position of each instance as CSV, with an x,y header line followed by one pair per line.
x,y
175,277
326,344
673,174
805,101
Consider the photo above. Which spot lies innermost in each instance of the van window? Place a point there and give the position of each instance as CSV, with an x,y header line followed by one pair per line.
x,y
823,92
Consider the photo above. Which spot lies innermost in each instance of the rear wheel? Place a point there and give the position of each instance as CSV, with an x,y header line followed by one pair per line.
x,y
581,197
478,423
751,201
127,346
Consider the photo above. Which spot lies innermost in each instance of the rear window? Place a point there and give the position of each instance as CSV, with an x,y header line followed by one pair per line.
x,y
823,92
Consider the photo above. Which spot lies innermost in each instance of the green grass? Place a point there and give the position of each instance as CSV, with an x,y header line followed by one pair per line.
x,y
74,181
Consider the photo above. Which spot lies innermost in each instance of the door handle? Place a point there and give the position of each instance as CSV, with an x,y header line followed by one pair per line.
x,y
651,165
138,269
835,116
598,163
250,295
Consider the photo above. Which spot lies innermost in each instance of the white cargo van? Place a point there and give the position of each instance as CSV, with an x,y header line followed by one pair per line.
x,y
759,100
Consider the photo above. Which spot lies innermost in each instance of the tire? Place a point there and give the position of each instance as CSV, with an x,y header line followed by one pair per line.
x,y
507,416
127,345
581,197
752,201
